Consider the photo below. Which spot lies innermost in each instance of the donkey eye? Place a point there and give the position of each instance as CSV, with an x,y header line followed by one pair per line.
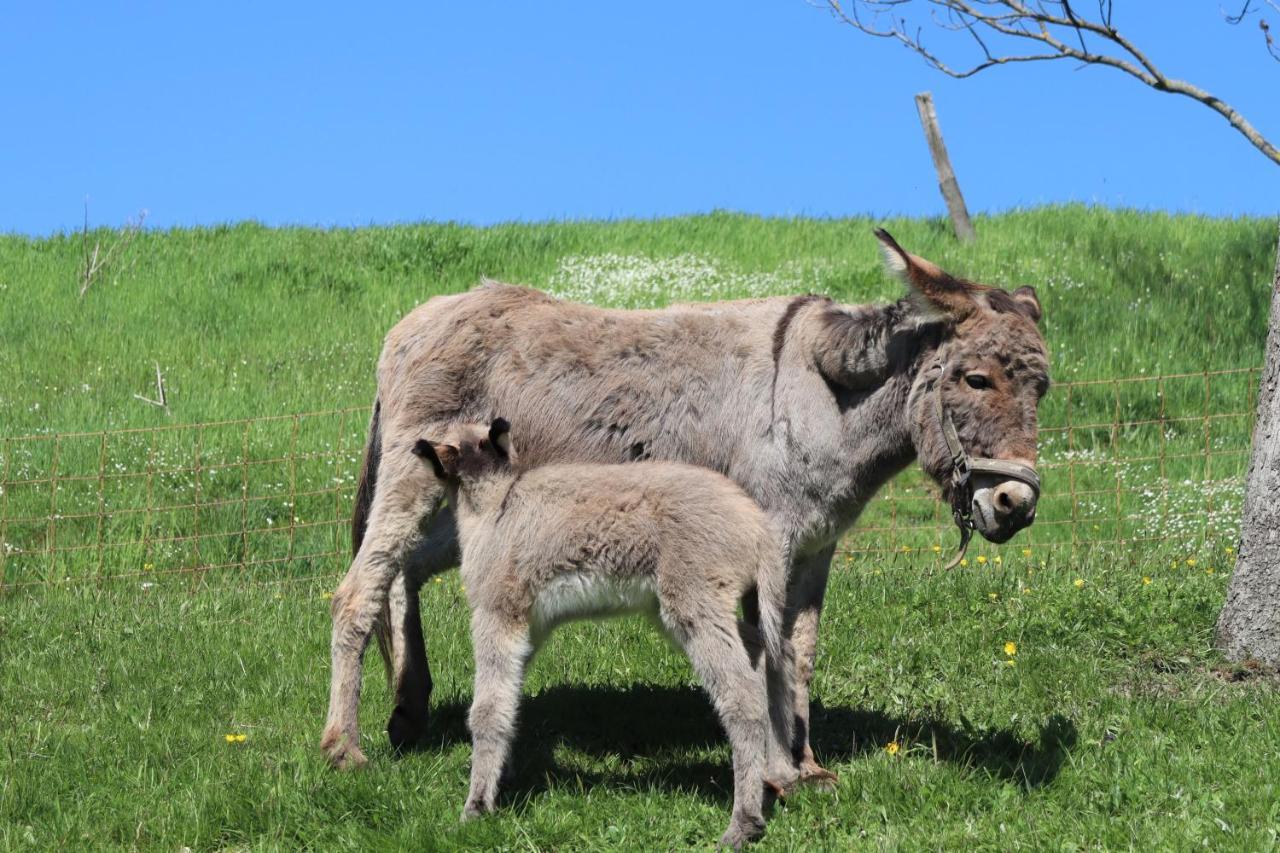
x,y
978,381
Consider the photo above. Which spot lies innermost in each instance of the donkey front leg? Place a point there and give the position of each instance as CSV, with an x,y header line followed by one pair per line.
x,y
410,674
502,649
405,495
807,588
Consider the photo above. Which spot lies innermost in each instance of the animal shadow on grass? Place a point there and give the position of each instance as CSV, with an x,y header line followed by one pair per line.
x,y
665,724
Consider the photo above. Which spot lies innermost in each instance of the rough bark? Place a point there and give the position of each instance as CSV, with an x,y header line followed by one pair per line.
x,y
1249,625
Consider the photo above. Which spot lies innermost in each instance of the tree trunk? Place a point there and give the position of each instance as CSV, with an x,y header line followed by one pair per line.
x,y
942,163
1249,626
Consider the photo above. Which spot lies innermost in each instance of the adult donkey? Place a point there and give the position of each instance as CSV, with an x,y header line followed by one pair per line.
x,y
809,405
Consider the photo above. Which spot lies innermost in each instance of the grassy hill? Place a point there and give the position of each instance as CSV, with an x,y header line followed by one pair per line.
x,y
249,320
1110,722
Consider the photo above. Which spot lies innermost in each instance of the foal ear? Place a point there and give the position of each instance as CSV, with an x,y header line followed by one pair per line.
x,y
935,290
500,437
443,458
1027,300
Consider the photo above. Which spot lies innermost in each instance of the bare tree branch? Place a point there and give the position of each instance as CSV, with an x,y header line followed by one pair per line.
x,y
1054,29
96,260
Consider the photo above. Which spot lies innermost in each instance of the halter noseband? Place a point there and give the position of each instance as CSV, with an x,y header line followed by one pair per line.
x,y
963,466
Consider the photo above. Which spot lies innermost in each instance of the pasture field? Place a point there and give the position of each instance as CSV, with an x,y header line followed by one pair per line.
x,y
1109,721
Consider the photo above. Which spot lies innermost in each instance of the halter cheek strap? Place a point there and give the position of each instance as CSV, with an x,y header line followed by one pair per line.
x,y
964,466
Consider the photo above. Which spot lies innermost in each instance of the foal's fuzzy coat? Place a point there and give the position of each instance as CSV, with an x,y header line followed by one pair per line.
x,y
549,544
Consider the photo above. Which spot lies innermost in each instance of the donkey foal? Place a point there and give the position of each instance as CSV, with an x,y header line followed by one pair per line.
x,y
546,545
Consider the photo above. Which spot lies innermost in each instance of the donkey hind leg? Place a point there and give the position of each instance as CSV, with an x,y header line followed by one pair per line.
x,y
410,674
502,650
781,769
407,492
738,691
805,593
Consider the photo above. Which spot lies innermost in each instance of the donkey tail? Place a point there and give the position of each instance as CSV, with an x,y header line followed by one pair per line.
x,y
771,593
360,523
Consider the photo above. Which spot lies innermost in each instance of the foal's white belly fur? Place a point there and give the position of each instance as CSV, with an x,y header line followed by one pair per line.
x,y
584,596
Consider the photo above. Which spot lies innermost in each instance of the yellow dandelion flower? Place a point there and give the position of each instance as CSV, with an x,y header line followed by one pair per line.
x,y
146,567
993,595
1026,552
1209,570
1079,583
892,747
937,549
964,562
439,579
234,738
1191,561
997,560
1011,648
1010,662
982,559
1145,580
906,549
326,595
1230,550
1026,590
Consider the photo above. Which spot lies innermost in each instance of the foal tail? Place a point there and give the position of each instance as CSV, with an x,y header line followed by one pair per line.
x,y
360,523
771,592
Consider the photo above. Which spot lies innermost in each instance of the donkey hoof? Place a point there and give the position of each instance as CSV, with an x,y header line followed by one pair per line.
x,y
342,751
812,773
406,730
475,809
741,832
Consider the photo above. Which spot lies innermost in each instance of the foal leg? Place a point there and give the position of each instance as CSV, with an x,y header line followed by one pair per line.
x,y
781,770
805,593
502,650
410,672
407,492
738,692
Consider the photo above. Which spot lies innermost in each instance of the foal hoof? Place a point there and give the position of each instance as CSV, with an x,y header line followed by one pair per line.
x,y
474,810
342,751
813,773
741,832
406,730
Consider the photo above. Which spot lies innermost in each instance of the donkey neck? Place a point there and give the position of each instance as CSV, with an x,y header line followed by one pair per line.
x,y
484,494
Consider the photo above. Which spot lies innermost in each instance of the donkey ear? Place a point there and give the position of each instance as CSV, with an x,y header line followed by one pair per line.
x,y
443,458
1027,300
933,289
500,437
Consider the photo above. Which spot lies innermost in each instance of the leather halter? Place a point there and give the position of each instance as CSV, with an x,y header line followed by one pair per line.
x,y
963,466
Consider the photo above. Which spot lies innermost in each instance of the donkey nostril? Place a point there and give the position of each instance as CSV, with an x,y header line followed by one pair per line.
x,y
1003,501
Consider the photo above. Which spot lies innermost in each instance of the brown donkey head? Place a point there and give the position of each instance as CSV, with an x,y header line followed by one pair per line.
x,y
469,451
989,372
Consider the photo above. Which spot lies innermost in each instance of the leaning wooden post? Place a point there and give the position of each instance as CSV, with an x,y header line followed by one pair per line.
x,y
1249,625
942,163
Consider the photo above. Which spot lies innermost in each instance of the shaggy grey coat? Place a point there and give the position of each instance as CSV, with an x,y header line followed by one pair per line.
x,y
545,545
809,405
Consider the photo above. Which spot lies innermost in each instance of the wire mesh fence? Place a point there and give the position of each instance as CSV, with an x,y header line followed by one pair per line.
x,y
1129,460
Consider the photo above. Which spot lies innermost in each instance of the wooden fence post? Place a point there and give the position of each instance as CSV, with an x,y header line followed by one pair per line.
x,y
942,163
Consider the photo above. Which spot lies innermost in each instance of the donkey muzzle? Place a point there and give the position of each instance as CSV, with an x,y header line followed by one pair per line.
x,y
1003,504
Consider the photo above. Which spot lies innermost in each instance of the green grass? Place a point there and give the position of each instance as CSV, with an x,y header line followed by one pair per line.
x,y
1117,726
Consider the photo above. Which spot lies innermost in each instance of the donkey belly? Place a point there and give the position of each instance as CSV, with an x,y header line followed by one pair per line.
x,y
577,595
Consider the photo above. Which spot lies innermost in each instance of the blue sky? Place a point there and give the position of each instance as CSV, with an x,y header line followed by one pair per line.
x,y
319,114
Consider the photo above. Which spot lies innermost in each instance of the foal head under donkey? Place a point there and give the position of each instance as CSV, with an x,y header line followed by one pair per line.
x,y
683,544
